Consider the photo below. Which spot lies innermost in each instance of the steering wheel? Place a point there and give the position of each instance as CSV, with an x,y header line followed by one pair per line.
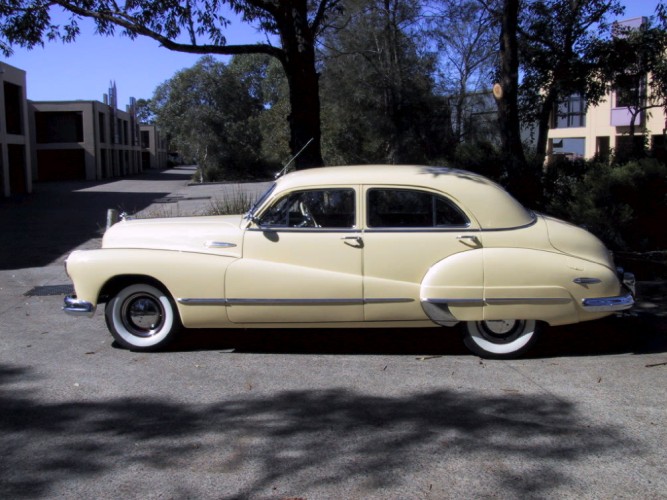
x,y
308,219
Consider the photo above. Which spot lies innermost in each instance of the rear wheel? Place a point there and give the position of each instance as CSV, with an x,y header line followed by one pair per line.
x,y
500,339
142,317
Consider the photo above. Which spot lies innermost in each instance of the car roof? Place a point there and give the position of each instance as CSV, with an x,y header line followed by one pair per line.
x,y
485,200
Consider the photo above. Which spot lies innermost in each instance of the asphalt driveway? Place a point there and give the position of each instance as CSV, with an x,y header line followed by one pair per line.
x,y
314,414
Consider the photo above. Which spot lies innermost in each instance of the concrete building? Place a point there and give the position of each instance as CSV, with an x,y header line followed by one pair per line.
x,y
154,150
84,140
15,159
578,132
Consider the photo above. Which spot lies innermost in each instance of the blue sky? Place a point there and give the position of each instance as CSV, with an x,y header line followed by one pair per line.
x,y
83,70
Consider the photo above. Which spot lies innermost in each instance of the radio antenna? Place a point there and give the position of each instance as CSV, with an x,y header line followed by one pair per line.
x,y
285,169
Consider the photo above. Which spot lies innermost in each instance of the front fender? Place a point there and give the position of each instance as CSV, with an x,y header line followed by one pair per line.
x,y
183,274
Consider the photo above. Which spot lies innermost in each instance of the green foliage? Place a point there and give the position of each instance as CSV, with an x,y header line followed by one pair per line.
x,y
211,117
377,88
625,205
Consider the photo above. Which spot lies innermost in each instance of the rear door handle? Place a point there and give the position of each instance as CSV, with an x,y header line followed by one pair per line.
x,y
469,239
354,241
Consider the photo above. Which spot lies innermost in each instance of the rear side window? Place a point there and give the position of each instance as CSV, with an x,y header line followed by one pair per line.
x,y
404,208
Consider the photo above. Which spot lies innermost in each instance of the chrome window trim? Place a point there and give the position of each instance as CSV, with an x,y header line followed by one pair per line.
x,y
262,210
448,229
491,229
370,189
281,229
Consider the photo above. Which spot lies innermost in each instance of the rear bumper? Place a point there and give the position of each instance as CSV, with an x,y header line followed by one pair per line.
x,y
614,304
609,304
76,307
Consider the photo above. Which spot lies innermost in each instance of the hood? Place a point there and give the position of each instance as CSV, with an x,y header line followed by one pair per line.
x,y
577,242
218,235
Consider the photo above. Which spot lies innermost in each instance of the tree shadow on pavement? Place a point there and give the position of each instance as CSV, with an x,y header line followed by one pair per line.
x,y
60,216
334,438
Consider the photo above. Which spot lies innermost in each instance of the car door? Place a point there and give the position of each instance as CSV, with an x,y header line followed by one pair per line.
x,y
301,261
409,233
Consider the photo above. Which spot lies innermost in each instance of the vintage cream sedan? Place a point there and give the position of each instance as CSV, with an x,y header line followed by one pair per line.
x,y
354,247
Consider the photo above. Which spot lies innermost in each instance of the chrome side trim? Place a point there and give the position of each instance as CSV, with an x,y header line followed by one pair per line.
x,y
75,307
456,302
293,302
288,302
219,244
586,281
388,301
499,301
528,300
609,304
202,302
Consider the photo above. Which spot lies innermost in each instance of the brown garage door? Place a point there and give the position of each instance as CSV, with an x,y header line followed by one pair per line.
x,y
61,164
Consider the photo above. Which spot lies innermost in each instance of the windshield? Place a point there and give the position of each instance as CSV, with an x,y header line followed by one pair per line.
x,y
250,213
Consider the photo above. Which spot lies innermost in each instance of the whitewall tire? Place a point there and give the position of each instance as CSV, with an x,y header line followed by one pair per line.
x,y
142,317
500,339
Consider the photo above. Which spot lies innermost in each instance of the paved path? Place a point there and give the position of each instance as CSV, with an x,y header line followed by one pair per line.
x,y
42,228
317,414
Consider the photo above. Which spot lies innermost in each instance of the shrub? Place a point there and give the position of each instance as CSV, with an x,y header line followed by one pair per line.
x,y
625,205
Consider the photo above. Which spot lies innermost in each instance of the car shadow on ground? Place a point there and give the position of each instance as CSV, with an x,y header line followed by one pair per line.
x,y
638,334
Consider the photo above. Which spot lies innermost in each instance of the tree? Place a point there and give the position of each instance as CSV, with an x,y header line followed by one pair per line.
x,y
520,179
377,86
210,116
634,67
466,38
558,56
145,113
297,23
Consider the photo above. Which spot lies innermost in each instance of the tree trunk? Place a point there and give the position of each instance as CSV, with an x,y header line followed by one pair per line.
x,y
522,181
543,125
508,107
298,45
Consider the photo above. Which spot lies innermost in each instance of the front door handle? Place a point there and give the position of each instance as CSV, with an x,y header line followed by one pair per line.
x,y
354,241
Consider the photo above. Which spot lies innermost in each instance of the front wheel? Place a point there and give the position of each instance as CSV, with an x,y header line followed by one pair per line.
x,y
500,339
142,317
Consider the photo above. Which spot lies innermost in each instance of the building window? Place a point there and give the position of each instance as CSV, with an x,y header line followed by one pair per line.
x,y
631,91
570,113
13,100
602,148
100,119
145,140
59,126
571,147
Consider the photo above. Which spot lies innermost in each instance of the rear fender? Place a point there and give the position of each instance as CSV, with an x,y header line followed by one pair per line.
x,y
453,289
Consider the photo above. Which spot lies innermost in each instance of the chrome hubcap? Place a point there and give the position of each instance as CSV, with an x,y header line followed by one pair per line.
x,y
142,315
501,331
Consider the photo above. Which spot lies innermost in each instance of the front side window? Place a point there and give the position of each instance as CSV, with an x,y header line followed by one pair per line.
x,y
322,208
402,208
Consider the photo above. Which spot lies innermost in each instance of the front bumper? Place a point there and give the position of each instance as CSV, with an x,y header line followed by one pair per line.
x,y
76,307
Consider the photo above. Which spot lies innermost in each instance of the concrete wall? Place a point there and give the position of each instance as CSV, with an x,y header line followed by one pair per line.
x,y
15,158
